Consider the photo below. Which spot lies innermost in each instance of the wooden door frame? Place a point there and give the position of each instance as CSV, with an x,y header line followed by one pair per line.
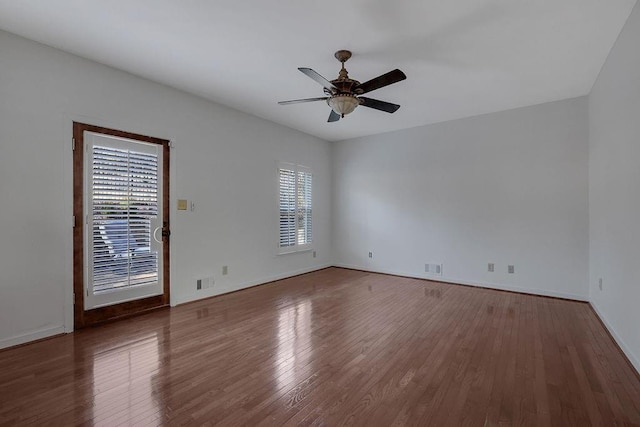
x,y
82,317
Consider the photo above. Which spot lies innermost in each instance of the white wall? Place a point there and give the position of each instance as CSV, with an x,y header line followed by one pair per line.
x,y
224,160
614,190
506,188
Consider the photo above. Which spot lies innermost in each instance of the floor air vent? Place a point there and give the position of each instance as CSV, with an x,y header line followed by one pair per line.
x,y
204,283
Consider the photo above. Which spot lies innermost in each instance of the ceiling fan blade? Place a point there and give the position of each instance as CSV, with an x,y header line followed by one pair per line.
x,y
333,116
381,81
378,105
299,101
318,78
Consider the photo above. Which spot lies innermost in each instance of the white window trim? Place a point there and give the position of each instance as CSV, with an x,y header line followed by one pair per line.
x,y
297,248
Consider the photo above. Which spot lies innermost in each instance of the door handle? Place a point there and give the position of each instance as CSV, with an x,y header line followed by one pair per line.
x,y
154,234
165,233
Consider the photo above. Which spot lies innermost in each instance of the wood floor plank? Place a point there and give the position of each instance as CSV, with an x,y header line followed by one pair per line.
x,y
333,347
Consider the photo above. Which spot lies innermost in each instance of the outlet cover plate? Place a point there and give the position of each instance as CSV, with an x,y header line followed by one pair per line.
x,y
433,269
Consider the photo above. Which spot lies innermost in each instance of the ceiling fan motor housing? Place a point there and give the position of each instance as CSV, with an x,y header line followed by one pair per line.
x,y
343,100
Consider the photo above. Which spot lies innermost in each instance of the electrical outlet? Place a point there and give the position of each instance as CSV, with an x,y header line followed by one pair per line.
x,y
600,283
511,269
370,254
225,270
435,269
490,267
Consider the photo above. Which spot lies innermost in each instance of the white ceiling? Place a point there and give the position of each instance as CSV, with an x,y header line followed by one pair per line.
x,y
461,58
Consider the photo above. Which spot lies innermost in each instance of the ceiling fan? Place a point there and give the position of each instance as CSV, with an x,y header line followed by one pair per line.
x,y
343,93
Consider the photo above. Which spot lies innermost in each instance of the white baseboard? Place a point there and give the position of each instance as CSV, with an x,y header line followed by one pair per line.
x,y
220,291
31,336
487,285
510,288
625,348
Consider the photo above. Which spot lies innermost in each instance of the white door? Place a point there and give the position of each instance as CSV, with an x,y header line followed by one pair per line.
x,y
123,216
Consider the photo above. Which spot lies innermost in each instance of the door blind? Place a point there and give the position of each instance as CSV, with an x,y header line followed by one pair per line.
x,y
124,203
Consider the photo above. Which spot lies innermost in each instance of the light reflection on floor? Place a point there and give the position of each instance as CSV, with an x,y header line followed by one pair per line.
x,y
123,384
294,340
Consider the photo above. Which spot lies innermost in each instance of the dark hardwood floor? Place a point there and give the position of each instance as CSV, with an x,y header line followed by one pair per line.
x,y
334,347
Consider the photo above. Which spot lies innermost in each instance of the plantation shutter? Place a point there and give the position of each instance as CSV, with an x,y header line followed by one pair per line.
x,y
124,203
295,205
304,207
287,207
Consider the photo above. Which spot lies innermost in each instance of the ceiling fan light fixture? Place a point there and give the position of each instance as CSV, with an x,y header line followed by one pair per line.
x,y
343,103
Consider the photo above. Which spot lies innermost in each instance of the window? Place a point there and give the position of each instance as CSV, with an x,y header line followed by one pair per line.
x,y
123,191
295,203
